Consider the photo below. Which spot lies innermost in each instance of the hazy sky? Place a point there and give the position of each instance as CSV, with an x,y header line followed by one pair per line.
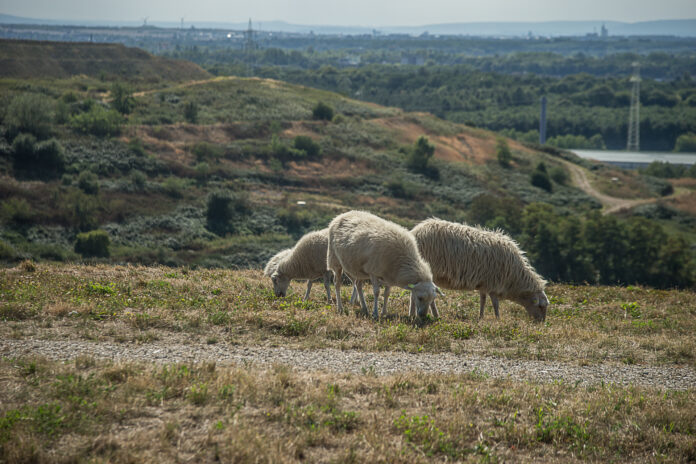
x,y
353,12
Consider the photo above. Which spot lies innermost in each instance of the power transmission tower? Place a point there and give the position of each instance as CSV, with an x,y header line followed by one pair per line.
x,y
633,143
249,47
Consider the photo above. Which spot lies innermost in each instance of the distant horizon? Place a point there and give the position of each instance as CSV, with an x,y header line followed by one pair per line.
x,y
356,13
154,21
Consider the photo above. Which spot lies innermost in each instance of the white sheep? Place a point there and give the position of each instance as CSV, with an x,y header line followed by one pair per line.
x,y
305,261
367,247
471,258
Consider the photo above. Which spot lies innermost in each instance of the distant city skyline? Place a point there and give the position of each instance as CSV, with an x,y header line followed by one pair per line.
x,y
367,13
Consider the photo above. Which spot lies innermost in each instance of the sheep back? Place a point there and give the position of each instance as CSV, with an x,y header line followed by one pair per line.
x,y
307,259
364,244
472,258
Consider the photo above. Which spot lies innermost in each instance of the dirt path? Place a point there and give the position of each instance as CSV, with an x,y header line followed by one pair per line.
x,y
185,84
358,362
611,204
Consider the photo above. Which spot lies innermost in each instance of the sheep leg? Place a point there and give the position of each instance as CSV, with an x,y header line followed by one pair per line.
x,y
361,297
482,303
386,300
412,306
433,308
494,300
327,285
354,296
309,287
375,288
338,275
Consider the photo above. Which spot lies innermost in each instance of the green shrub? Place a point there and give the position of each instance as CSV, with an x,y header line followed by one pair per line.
x,y
93,244
7,251
79,209
219,213
503,152
559,175
283,152
122,98
31,113
306,144
205,151
398,188
686,143
135,145
16,211
139,179
322,112
191,112
202,171
174,187
88,182
97,121
37,159
540,178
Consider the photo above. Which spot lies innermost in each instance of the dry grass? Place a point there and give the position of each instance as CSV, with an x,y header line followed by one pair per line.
x,y
585,324
104,412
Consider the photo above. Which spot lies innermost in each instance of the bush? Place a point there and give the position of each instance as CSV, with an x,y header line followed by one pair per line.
x,y
307,145
174,187
205,150
139,179
503,152
191,112
16,211
97,121
42,159
29,112
93,244
540,178
559,175
135,145
122,100
686,143
88,182
322,112
219,213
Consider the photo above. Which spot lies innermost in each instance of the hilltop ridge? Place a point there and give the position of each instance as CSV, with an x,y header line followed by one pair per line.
x,y
41,59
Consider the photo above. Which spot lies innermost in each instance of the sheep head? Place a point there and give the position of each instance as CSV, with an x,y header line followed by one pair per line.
x,y
422,294
280,284
535,303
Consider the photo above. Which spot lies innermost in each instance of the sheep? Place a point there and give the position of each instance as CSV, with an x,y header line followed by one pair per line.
x,y
471,258
306,260
365,246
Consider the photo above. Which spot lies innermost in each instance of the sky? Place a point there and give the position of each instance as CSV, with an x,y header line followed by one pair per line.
x,y
353,12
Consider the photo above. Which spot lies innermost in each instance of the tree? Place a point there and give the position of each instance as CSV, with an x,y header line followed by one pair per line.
x,y
37,159
306,144
686,143
122,98
503,152
191,112
420,154
322,112
540,178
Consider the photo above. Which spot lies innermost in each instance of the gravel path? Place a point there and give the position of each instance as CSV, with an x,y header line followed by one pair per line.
x,y
382,363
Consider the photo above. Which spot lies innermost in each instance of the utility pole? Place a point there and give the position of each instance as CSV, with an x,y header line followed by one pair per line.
x,y
542,122
249,47
633,142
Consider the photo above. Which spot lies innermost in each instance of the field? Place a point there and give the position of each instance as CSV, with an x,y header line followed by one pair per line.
x,y
59,405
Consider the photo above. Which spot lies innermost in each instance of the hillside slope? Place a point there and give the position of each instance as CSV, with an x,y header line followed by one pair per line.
x,y
34,59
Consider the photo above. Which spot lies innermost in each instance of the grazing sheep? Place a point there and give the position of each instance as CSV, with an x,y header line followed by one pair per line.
x,y
471,258
306,260
367,247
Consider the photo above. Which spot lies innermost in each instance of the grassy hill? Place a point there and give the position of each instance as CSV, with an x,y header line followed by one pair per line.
x,y
35,59
148,177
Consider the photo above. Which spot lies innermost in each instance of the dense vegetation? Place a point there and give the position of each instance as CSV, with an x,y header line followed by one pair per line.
x,y
211,174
